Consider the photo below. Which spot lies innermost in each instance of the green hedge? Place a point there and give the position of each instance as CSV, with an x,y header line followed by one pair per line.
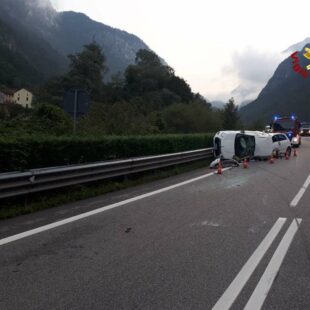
x,y
18,154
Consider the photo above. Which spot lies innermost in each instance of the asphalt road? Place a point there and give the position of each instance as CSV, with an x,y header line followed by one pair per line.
x,y
240,240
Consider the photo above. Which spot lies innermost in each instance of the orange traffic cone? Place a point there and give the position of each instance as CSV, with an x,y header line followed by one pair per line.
x,y
295,152
271,160
245,163
219,168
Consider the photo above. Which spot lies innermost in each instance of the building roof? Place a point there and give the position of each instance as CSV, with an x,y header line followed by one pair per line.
x,y
24,90
7,91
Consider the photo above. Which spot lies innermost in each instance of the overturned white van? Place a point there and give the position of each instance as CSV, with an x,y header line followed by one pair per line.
x,y
252,144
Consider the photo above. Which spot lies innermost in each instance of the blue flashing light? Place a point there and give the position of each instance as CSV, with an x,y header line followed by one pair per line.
x,y
275,118
290,135
292,117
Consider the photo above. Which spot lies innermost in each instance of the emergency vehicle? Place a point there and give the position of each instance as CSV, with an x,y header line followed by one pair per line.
x,y
290,126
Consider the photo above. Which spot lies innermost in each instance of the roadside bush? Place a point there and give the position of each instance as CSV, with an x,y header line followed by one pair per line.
x,y
17,154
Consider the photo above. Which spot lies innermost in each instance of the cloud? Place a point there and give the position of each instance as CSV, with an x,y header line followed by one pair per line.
x,y
45,4
255,66
41,10
56,4
247,91
244,75
252,68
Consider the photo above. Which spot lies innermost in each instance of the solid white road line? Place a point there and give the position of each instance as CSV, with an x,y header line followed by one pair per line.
x,y
100,210
300,193
234,289
261,291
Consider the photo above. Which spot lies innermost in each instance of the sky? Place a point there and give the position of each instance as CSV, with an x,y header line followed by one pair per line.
x,y
221,48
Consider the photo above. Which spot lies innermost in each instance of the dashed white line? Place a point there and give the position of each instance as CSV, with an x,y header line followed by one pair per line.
x,y
301,192
234,289
260,293
100,210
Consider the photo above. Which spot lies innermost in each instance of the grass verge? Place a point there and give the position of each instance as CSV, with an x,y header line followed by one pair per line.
x,y
28,204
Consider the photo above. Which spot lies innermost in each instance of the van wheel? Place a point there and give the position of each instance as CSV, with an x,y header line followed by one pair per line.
x,y
289,151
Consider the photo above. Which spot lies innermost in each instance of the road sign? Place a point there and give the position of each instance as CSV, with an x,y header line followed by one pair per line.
x,y
76,103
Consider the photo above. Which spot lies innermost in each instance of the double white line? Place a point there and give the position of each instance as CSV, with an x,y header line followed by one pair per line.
x,y
261,291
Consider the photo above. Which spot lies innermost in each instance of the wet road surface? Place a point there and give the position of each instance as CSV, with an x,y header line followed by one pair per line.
x,y
195,241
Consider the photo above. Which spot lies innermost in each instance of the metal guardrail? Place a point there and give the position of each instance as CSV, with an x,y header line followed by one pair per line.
x,y
21,183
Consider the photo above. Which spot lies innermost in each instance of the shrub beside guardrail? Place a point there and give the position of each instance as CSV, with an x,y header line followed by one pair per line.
x,y
19,154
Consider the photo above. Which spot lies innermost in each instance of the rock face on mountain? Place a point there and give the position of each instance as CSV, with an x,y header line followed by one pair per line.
x,y
73,30
286,93
35,41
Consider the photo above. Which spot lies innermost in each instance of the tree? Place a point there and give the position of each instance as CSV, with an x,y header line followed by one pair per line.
x,y
14,120
52,91
146,58
149,74
119,118
86,70
257,125
189,118
115,90
12,111
50,119
230,115
180,88
94,123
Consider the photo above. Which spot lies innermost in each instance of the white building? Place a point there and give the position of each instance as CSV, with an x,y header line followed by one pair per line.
x,y
2,98
6,96
23,97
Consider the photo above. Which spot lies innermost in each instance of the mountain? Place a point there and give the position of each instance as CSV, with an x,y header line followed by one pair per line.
x,y
218,104
75,29
244,103
286,92
297,46
35,41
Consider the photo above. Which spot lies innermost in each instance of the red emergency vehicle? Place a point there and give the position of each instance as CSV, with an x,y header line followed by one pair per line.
x,y
290,126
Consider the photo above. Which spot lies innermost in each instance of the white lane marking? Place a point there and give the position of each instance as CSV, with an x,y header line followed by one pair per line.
x,y
306,184
234,289
301,192
260,293
100,210
297,197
